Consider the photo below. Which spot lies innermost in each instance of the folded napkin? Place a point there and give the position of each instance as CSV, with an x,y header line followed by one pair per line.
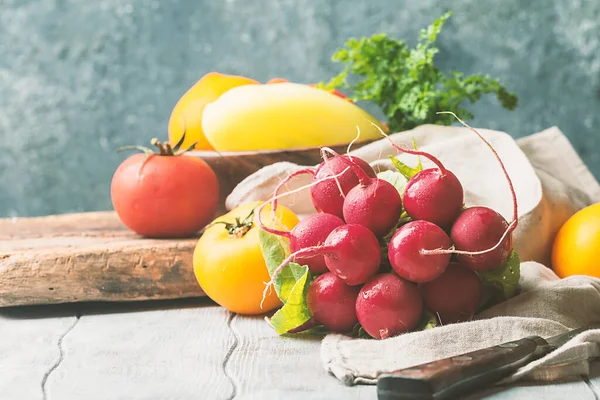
x,y
551,183
546,307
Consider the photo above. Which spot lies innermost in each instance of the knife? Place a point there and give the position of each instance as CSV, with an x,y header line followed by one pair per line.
x,y
461,374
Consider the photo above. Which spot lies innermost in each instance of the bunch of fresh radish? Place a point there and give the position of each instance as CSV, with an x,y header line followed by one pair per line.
x,y
380,258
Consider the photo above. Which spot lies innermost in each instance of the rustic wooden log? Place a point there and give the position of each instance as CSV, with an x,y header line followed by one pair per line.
x,y
89,257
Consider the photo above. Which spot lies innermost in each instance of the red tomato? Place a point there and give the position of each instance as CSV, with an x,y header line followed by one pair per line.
x,y
276,80
385,127
340,94
281,80
165,195
334,92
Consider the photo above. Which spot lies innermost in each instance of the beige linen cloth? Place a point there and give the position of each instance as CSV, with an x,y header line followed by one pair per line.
x,y
551,183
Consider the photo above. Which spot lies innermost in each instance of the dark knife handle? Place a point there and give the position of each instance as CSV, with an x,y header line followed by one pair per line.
x,y
461,374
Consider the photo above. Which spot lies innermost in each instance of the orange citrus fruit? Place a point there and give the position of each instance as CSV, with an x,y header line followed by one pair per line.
x,y
576,248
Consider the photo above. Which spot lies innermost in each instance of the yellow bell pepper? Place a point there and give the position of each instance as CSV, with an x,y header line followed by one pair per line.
x,y
187,113
283,116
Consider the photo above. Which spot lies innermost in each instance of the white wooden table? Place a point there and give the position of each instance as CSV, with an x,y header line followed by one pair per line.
x,y
181,350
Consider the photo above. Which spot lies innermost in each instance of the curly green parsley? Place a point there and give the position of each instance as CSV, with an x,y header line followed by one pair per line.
x,y
406,84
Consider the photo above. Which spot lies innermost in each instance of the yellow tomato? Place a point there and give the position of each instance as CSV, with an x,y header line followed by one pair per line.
x,y
187,114
576,248
230,267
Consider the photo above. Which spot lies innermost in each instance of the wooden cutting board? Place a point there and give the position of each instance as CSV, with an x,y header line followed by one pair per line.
x,y
89,257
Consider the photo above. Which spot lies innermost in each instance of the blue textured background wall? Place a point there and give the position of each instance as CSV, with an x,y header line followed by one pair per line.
x,y
78,79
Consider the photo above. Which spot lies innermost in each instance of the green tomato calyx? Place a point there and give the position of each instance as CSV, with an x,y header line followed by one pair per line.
x,y
238,228
164,149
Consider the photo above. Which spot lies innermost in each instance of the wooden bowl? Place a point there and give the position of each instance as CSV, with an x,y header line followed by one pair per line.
x,y
233,167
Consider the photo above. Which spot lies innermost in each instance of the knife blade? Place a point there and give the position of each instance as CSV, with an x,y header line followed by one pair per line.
x,y
461,374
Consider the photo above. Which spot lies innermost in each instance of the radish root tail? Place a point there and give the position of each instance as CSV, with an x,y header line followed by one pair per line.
x,y
280,195
324,152
285,181
353,140
511,227
513,224
362,176
430,157
265,228
452,250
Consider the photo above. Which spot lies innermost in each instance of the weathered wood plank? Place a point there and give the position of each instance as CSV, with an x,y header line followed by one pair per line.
x,y
575,389
593,380
89,257
29,349
63,224
188,349
266,366
148,354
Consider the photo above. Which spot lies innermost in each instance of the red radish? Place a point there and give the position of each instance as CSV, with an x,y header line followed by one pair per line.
x,y
482,237
313,231
374,203
328,195
332,302
477,229
351,251
406,251
387,306
274,199
356,253
434,195
454,295
332,179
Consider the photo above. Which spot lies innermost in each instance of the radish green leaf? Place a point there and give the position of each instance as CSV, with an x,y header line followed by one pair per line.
x,y
295,311
504,278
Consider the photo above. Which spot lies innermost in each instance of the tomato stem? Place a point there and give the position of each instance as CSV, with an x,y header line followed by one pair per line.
x,y
164,149
140,148
239,228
